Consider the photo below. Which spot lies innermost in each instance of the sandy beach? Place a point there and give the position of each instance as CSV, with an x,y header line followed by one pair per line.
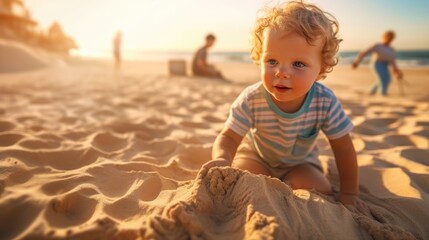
x,y
90,153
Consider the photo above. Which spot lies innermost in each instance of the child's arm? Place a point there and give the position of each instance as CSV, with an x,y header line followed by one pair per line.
x,y
224,148
346,160
396,70
361,55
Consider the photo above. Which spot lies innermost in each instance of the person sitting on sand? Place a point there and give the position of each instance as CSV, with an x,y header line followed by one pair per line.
x,y
383,55
273,125
200,67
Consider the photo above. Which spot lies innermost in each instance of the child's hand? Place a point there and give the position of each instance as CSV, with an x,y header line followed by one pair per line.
x,y
216,163
352,200
398,74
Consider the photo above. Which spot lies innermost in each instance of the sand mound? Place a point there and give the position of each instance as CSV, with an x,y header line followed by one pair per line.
x,y
16,57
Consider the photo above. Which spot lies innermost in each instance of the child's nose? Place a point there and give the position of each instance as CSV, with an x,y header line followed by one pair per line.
x,y
282,72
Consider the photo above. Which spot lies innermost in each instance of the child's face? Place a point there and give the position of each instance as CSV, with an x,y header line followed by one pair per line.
x,y
289,67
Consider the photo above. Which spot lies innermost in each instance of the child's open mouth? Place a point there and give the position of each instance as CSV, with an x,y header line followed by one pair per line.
x,y
282,88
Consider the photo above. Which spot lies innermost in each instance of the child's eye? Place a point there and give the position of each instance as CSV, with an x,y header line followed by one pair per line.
x,y
272,62
298,64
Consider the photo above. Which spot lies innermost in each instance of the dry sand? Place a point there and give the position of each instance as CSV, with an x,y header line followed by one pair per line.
x,y
89,153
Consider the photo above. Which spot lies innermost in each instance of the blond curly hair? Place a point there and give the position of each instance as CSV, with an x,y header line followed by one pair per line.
x,y
307,20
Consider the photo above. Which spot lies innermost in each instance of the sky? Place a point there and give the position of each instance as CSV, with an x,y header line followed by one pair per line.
x,y
181,25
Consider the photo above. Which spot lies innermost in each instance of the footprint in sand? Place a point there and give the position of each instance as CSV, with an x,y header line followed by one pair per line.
x,y
73,209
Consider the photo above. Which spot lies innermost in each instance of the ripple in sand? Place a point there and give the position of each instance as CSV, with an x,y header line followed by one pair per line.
x,y
108,142
69,120
39,144
376,145
213,118
9,139
158,148
65,185
76,135
49,137
416,155
18,176
42,100
123,209
72,209
127,206
376,126
103,113
423,133
191,124
110,179
126,127
381,121
194,156
57,159
399,140
6,126
423,124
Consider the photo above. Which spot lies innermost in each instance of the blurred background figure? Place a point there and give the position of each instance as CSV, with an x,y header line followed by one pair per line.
x,y
200,67
117,42
383,55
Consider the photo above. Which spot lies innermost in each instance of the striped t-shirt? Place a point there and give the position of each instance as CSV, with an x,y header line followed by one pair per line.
x,y
287,138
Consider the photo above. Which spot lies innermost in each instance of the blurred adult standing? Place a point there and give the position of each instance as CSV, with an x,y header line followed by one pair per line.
x,y
383,55
117,44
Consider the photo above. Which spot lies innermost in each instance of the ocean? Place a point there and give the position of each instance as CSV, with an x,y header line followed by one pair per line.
x,y
409,59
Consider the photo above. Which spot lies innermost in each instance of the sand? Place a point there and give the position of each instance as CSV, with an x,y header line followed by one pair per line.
x,y
90,153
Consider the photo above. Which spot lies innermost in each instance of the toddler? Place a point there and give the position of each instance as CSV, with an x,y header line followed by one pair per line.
x,y
273,125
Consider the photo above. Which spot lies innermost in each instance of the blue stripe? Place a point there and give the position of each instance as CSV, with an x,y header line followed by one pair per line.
x,y
241,119
343,125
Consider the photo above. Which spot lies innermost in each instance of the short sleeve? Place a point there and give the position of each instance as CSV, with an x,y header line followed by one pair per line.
x,y
337,123
240,117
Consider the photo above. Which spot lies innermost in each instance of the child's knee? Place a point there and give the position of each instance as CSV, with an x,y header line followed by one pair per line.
x,y
308,177
325,188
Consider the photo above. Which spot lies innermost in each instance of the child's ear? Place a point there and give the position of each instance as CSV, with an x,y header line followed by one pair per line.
x,y
322,74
